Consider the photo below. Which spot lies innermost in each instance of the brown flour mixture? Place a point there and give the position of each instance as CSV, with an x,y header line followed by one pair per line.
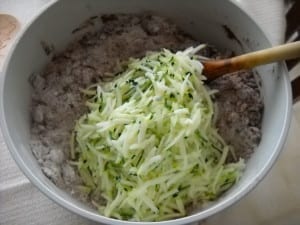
x,y
57,101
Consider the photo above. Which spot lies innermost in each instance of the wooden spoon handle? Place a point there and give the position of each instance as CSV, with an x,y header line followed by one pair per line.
x,y
216,68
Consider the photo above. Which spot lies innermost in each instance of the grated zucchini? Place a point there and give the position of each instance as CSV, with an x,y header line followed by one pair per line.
x,y
148,145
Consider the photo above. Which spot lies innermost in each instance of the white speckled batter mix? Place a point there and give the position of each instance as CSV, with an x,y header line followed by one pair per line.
x,y
57,101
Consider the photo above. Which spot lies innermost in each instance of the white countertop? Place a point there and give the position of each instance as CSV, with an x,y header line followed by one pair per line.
x,y
276,200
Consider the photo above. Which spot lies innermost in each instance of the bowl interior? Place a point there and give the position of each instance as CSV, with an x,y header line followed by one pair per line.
x,y
204,20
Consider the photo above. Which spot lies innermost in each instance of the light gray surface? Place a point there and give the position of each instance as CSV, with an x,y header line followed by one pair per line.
x,y
21,203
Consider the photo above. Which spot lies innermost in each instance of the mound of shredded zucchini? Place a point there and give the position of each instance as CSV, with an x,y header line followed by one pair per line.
x,y
148,148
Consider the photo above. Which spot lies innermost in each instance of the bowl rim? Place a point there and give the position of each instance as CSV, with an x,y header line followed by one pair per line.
x,y
238,195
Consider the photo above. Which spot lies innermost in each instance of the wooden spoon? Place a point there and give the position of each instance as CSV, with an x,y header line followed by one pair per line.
x,y
216,68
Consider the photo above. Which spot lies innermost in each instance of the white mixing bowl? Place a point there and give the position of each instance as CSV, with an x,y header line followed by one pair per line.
x,y
203,19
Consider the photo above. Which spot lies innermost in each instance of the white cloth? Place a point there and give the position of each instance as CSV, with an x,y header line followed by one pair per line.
x,y
275,201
